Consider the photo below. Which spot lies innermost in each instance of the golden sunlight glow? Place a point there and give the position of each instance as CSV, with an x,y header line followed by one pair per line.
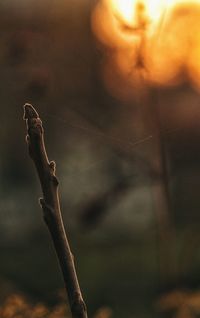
x,y
123,8
149,42
131,11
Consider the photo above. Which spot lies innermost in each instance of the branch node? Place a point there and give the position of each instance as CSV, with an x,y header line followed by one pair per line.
x,y
27,139
41,202
48,211
52,166
54,179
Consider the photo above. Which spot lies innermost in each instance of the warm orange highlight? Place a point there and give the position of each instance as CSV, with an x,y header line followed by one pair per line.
x,y
150,42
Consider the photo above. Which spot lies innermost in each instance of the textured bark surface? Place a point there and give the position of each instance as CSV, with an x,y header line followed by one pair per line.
x,y
51,209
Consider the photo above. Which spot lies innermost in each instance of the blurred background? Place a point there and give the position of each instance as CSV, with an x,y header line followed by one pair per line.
x,y
117,87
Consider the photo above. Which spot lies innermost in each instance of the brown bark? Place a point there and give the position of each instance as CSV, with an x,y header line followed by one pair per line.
x,y
51,209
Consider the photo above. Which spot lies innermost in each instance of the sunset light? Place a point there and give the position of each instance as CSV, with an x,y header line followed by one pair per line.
x,y
137,11
150,42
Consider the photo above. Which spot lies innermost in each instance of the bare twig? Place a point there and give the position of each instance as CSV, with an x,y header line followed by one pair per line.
x,y
51,209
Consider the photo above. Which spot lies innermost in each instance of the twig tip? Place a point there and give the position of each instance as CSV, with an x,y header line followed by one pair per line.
x,y
29,112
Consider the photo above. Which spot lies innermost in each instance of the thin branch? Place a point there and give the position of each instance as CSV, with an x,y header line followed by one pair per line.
x,y
51,209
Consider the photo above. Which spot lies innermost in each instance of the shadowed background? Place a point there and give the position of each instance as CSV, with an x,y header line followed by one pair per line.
x,y
108,162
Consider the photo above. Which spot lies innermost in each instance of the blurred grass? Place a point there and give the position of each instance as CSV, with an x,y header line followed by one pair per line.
x,y
121,274
112,273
